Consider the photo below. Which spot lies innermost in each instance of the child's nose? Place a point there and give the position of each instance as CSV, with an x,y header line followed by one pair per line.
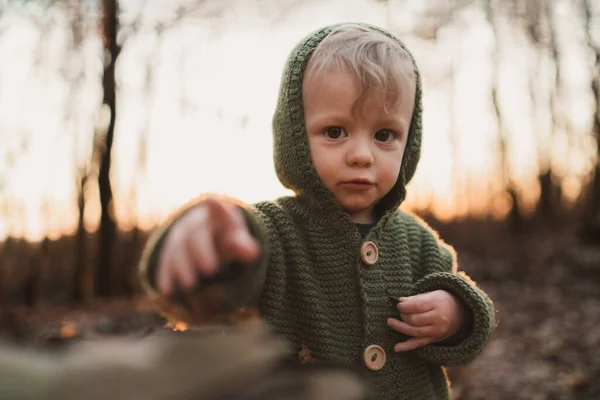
x,y
359,154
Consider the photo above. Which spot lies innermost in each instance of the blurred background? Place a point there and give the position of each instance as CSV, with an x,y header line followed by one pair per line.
x,y
114,113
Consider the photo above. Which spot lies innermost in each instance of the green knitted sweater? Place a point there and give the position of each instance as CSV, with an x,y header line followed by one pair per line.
x,y
311,284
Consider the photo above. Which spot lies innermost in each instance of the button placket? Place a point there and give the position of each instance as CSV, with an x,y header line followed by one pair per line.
x,y
374,356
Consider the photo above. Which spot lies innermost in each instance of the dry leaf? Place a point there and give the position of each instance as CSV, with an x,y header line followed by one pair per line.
x,y
304,355
68,330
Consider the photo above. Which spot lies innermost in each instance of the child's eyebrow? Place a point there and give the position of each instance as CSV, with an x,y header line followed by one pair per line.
x,y
328,117
398,123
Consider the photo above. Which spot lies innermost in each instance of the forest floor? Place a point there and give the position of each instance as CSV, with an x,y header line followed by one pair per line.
x,y
546,289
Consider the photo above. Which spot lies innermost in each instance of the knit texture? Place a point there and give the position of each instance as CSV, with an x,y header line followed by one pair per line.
x,y
310,283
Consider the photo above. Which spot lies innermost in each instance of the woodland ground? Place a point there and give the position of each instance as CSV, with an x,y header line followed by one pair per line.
x,y
545,283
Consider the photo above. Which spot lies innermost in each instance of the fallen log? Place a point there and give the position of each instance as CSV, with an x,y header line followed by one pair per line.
x,y
245,362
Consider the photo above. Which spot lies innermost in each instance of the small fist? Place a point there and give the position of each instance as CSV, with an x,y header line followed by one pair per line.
x,y
428,318
209,235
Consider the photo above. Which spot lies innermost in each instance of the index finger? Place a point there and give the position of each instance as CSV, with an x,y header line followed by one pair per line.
x,y
222,215
417,304
232,233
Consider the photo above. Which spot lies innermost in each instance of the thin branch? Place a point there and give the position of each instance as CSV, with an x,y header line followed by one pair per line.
x,y
198,9
502,142
506,179
595,85
433,20
283,11
555,90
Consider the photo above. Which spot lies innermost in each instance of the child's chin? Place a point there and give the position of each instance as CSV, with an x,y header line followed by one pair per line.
x,y
357,206
358,209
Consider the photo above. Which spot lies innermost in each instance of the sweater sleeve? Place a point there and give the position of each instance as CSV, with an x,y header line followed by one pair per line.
x,y
441,273
229,296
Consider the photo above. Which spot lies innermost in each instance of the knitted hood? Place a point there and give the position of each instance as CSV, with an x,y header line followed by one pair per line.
x,y
293,162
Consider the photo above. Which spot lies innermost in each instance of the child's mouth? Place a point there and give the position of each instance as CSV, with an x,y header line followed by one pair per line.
x,y
358,184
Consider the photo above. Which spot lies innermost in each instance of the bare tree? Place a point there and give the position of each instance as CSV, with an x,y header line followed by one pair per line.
x,y
81,287
549,190
592,214
107,233
516,217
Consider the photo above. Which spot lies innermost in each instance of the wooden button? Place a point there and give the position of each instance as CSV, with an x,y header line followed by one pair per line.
x,y
374,357
369,253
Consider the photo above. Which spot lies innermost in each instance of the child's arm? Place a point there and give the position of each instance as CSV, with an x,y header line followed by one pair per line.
x,y
438,271
176,269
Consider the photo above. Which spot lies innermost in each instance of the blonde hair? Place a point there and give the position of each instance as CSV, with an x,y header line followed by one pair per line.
x,y
376,60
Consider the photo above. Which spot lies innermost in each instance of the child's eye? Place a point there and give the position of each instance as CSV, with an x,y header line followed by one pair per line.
x,y
384,135
334,132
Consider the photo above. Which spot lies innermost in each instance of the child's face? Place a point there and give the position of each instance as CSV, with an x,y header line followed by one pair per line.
x,y
357,151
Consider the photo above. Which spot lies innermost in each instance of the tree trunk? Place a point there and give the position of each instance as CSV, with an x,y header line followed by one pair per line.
x,y
550,192
515,218
107,233
82,272
82,279
592,214
591,217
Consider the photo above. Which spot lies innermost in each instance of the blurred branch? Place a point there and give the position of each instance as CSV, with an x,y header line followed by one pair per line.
x,y
82,289
592,215
197,9
516,218
150,99
279,10
530,16
549,190
3,24
438,16
556,57
534,11
454,128
36,11
535,103
596,67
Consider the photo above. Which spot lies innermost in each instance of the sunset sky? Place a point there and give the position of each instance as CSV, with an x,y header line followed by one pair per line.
x,y
206,114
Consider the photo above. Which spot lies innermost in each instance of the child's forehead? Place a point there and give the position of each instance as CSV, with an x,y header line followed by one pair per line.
x,y
388,94
379,66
